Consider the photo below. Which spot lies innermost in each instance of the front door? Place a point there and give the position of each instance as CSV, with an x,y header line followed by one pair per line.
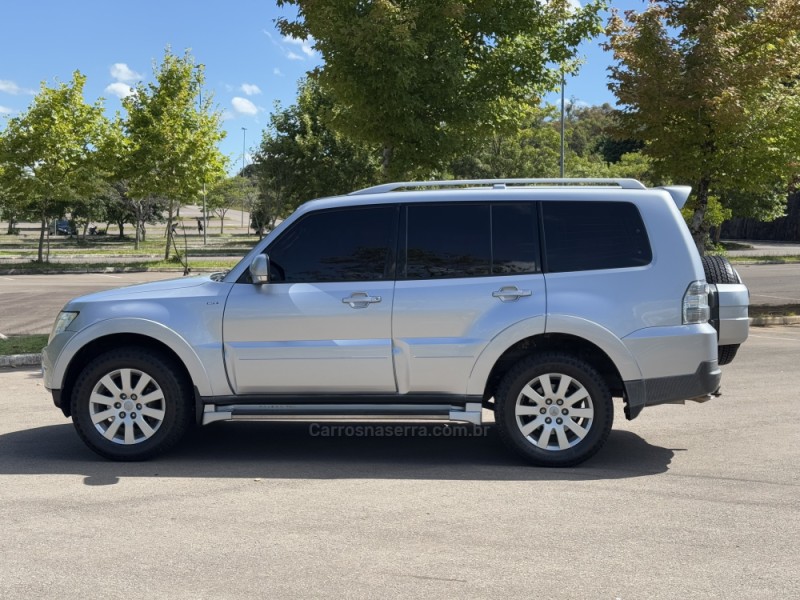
x,y
323,322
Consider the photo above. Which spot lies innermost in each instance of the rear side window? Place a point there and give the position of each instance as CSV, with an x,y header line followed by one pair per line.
x,y
515,239
585,236
448,240
471,240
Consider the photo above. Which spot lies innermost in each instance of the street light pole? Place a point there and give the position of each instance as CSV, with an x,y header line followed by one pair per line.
x,y
205,215
244,137
563,112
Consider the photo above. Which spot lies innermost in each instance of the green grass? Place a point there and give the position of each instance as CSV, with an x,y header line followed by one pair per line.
x,y
142,265
787,260
22,344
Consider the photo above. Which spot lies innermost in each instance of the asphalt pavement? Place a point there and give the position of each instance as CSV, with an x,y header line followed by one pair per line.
x,y
695,501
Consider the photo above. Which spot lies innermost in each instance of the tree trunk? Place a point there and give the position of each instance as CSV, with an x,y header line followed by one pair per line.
x,y
388,151
169,229
698,226
41,239
10,225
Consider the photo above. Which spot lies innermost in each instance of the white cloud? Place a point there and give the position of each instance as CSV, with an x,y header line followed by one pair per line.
x,y
305,45
243,106
250,89
227,115
119,89
277,72
4,110
9,87
122,72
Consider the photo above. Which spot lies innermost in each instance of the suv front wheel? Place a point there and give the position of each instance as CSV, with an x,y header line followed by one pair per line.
x,y
554,409
130,404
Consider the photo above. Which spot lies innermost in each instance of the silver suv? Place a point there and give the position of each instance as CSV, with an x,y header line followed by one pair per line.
x,y
539,300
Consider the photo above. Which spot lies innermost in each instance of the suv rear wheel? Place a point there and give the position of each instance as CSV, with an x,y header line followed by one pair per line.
x,y
554,410
130,404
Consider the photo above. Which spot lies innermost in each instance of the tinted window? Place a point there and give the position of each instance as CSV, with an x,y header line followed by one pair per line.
x,y
448,240
339,245
515,239
594,235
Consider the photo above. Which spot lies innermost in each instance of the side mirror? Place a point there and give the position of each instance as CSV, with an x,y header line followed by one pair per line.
x,y
259,269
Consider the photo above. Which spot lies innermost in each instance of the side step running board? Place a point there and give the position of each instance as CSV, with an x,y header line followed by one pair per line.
x,y
468,413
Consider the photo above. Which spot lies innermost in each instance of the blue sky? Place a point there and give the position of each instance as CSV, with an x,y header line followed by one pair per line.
x,y
248,64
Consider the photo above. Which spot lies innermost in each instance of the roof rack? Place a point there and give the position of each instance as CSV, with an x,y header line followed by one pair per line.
x,y
625,184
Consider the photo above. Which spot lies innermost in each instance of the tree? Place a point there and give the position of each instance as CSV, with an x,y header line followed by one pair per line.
x,y
48,155
531,151
233,192
301,158
425,79
711,88
169,146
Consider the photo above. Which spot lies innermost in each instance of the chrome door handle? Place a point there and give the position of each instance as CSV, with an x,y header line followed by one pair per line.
x,y
360,300
510,293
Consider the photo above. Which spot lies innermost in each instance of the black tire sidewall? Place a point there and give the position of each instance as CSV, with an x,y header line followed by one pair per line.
x,y
525,372
175,403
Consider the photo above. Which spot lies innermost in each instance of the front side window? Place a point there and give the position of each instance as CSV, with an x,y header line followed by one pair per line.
x,y
583,236
352,244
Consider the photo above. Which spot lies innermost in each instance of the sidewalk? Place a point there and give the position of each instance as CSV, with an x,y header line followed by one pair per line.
x,y
764,248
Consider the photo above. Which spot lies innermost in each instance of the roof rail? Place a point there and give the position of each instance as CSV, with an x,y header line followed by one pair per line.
x,y
625,184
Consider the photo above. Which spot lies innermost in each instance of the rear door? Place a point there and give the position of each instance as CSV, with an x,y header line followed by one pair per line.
x,y
466,272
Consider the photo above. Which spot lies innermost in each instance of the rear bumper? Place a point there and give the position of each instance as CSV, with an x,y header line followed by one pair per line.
x,y
676,388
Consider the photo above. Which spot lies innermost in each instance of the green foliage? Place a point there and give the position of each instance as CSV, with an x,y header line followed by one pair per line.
x,y
233,192
426,79
534,150
531,151
48,155
301,158
167,147
710,86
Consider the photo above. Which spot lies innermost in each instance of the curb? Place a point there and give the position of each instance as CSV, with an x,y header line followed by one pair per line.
x,y
23,271
35,360
21,360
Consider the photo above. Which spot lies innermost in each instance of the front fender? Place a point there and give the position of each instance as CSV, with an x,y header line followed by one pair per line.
x,y
144,327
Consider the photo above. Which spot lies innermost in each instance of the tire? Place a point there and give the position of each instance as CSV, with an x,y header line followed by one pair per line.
x,y
718,270
130,404
578,396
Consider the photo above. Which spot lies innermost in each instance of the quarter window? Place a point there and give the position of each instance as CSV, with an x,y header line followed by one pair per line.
x,y
583,236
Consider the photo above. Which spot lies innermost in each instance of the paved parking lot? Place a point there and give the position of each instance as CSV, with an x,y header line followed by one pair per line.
x,y
695,501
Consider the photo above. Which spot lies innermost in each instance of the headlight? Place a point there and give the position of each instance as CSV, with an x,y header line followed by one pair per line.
x,y
62,322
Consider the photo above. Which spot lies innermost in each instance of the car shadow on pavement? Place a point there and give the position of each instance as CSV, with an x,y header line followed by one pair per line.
x,y
298,451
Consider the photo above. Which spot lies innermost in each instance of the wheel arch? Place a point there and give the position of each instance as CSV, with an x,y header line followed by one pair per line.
x,y
555,342
84,347
595,344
